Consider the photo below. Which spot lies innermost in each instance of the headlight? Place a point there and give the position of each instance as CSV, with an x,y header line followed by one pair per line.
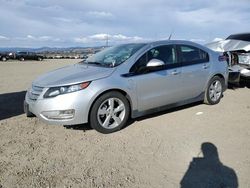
x,y
55,91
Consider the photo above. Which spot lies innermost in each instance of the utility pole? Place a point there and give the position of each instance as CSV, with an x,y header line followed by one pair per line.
x,y
107,40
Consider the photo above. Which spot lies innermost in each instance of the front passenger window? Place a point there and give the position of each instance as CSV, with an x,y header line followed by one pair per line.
x,y
164,53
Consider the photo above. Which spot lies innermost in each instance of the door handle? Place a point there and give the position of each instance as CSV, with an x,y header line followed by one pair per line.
x,y
175,72
205,66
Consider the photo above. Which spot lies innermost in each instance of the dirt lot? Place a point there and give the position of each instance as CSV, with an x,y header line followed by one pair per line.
x,y
162,150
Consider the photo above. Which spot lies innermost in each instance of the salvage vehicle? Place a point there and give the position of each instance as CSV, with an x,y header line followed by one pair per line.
x,y
237,49
128,81
28,56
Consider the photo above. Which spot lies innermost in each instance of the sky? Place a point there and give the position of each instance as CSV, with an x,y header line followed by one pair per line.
x,y
67,23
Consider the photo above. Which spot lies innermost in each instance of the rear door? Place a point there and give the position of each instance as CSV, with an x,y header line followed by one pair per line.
x,y
195,70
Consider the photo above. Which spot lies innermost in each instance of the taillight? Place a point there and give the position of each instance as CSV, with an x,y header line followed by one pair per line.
x,y
222,58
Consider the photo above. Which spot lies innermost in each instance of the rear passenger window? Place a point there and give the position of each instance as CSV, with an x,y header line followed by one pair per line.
x,y
189,55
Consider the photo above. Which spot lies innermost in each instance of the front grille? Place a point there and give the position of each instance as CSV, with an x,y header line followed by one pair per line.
x,y
35,92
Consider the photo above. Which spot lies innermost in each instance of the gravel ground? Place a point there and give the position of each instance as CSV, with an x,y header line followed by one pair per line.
x,y
162,150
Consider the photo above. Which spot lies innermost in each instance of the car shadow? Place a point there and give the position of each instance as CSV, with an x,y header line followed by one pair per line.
x,y
243,83
81,127
163,112
86,126
208,171
11,104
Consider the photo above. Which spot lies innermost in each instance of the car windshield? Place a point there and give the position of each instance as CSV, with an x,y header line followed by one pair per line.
x,y
113,56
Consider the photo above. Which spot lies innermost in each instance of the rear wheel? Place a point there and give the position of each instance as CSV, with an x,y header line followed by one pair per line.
x,y
39,59
21,59
110,112
214,91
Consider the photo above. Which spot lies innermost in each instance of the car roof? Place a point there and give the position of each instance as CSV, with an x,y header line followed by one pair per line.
x,y
183,42
172,42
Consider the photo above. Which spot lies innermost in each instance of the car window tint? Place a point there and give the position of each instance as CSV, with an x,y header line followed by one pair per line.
x,y
164,53
192,55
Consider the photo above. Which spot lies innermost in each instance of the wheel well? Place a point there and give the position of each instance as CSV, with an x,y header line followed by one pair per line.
x,y
118,90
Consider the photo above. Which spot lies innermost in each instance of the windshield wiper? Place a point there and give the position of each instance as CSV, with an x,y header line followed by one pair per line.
x,y
93,62
97,63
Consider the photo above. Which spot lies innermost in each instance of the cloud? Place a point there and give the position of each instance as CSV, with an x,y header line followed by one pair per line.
x,y
68,23
3,38
61,19
121,37
100,14
198,40
101,36
217,39
38,38
31,37
81,40
111,38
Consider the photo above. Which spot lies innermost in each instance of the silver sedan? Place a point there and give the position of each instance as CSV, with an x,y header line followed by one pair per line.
x,y
128,81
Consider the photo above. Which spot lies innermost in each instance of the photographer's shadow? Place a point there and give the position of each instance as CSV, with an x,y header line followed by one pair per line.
x,y
208,171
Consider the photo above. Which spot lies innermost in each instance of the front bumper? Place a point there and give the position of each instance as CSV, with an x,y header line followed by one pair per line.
x,y
76,102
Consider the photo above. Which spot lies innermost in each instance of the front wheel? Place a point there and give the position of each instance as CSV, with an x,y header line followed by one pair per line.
x,y
214,91
110,112
4,59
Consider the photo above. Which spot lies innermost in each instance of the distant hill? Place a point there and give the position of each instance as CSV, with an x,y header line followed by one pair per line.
x,y
52,49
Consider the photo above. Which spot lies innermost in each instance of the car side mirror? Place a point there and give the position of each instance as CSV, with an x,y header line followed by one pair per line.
x,y
155,64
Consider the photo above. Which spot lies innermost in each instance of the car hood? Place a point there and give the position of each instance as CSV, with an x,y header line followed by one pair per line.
x,y
229,45
72,74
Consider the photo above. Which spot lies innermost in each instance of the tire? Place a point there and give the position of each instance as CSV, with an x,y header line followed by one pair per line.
x,y
109,113
4,59
214,91
21,59
39,59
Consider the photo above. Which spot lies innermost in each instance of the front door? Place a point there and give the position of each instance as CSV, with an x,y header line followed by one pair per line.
x,y
160,87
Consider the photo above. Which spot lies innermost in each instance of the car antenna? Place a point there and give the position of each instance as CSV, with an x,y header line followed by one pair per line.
x,y
170,36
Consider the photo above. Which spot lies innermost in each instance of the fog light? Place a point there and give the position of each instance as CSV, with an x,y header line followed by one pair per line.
x,y
59,114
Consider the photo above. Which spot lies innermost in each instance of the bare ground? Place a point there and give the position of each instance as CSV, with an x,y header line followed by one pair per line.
x,y
154,151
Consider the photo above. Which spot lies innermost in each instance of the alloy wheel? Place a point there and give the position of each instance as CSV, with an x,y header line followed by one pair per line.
x,y
215,90
111,113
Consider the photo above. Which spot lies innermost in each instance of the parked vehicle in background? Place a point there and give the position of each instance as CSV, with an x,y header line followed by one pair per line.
x,y
28,56
128,80
237,48
4,56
